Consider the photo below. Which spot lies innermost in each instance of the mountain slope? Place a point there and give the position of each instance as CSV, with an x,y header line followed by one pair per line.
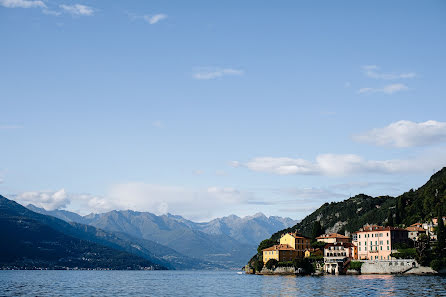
x,y
226,241
413,206
29,243
116,238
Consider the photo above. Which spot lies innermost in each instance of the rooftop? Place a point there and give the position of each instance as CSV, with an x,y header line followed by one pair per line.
x,y
279,247
332,235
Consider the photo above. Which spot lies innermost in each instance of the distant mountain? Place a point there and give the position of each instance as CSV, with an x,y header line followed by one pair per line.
x,y
349,215
227,241
29,241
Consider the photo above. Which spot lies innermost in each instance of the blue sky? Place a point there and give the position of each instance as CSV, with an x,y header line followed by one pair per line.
x,y
207,108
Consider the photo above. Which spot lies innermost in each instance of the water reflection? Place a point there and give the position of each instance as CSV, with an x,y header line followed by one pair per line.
x,y
211,283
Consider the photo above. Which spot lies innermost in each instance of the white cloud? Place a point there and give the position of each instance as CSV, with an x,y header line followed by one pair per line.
x,y
345,164
406,134
153,19
372,72
77,9
389,89
22,3
46,200
198,204
207,73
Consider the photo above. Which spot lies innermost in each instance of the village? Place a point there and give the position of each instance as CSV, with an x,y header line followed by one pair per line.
x,y
372,249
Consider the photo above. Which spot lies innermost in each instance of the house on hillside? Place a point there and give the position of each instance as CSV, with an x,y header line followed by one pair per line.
x,y
312,252
332,238
291,246
377,242
279,252
297,242
414,232
337,256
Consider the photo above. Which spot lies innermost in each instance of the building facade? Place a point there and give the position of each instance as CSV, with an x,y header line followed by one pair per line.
x,y
279,252
377,242
297,242
332,238
337,256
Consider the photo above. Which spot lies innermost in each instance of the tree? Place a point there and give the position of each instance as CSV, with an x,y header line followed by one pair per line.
x,y
317,230
441,234
389,219
258,265
265,244
271,263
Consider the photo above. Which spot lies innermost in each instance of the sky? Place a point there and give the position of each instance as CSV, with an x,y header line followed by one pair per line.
x,y
210,108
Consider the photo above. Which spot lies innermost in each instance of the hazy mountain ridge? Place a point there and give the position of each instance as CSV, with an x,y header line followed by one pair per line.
x,y
227,241
33,240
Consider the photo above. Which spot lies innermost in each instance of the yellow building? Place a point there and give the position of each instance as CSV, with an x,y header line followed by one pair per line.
x,y
279,252
299,243
313,252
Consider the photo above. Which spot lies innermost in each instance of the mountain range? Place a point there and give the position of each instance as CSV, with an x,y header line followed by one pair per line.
x,y
221,243
34,241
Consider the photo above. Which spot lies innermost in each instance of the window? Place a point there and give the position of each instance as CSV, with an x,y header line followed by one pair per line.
x,y
387,242
381,248
359,248
372,235
365,248
359,243
387,235
376,242
359,235
387,247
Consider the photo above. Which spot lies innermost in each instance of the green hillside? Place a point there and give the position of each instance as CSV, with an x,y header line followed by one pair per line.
x,y
349,215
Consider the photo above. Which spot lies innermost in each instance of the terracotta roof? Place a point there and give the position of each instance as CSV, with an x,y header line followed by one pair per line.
x,y
416,225
279,247
297,236
414,228
379,228
332,235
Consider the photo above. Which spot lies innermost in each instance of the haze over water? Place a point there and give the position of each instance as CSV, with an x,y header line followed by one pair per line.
x,y
211,283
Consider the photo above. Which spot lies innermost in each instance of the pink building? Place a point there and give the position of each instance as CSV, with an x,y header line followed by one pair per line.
x,y
377,242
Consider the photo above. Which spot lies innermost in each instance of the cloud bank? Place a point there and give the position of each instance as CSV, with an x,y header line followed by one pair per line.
x,y
406,134
343,164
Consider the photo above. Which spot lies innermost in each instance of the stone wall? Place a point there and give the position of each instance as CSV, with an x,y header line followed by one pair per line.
x,y
388,266
279,270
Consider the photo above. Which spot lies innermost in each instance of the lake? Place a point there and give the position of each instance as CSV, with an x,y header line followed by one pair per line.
x,y
211,283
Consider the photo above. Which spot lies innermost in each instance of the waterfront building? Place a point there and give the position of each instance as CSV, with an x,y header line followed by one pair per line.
x,y
297,242
337,256
377,242
279,252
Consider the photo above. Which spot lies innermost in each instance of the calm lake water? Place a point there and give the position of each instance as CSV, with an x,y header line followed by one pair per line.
x,y
210,283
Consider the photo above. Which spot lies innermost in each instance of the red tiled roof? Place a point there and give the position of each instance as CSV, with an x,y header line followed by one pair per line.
x,y
331,235
379,228
297,236
414,228
279,247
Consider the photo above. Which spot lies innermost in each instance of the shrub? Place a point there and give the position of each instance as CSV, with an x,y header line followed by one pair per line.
x,y
356,265
271,263
437,264
285,264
